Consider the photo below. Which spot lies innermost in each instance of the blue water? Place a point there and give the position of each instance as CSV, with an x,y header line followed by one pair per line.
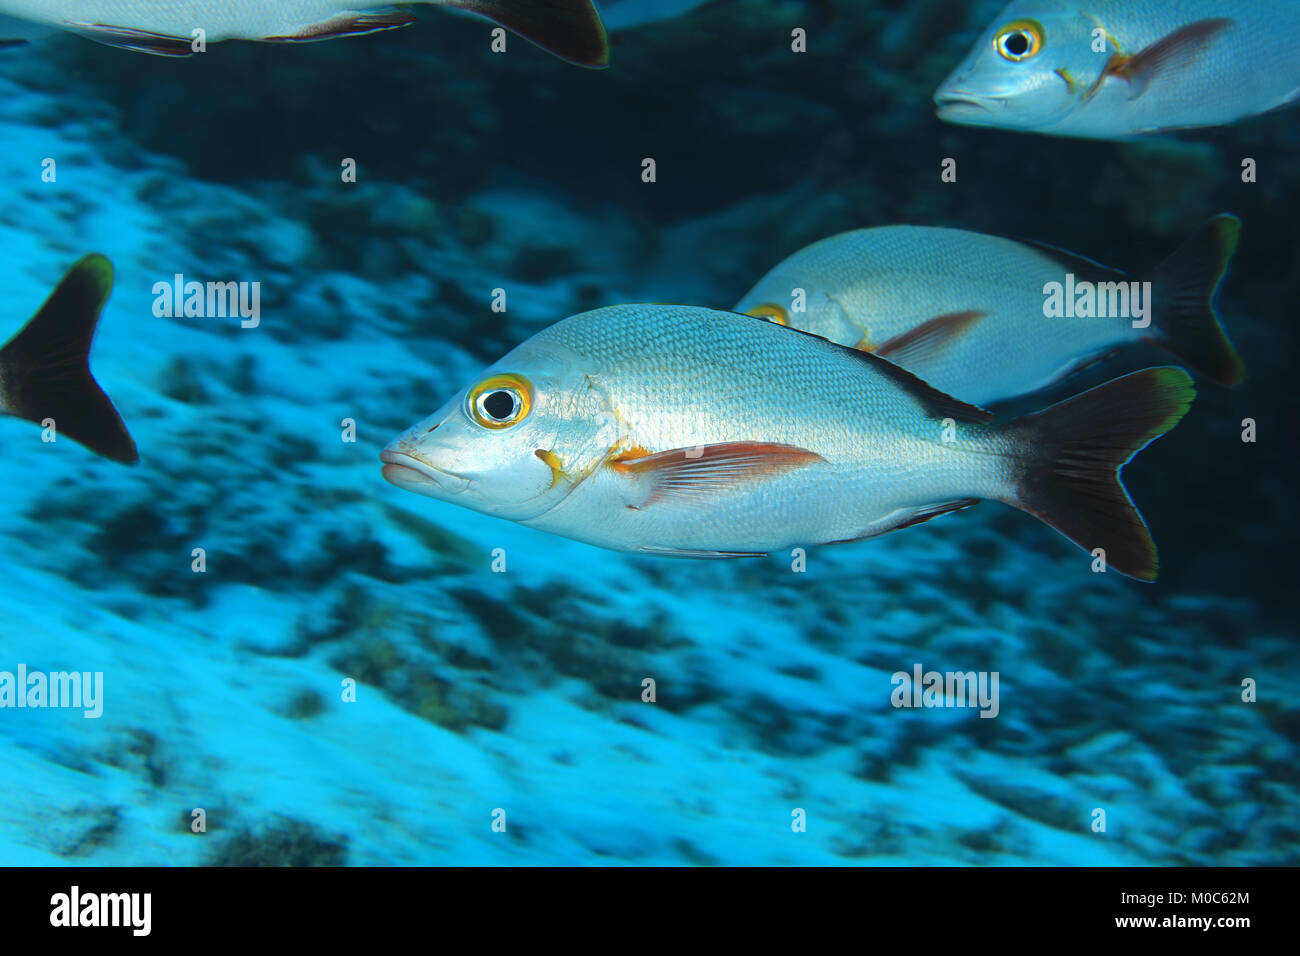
x,y
515,697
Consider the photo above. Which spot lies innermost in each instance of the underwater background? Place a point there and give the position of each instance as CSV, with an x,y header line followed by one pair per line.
x,y
521,691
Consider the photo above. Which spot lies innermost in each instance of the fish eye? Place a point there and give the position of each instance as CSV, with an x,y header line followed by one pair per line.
x,y
1020,40
500,401
771,312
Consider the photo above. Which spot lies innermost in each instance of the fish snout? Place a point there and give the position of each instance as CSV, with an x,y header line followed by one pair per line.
x,y
956,104
410,472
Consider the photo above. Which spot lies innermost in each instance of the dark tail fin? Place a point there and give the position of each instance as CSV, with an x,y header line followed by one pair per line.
x,y
571,29
45,368
1183,287
1073,453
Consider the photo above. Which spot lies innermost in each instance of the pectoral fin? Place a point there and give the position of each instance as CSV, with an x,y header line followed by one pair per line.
x,y
1166,56
686,473
926,343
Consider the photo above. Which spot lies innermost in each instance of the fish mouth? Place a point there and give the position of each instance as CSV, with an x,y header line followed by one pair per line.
x,y
959,105
414,474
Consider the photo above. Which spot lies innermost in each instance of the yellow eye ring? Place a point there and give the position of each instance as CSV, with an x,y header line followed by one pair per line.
x,y
1019,40
771,312
500,401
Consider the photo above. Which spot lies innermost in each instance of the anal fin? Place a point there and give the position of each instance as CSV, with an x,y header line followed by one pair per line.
x,y
126,38
349,25
936,511
915,517
693,553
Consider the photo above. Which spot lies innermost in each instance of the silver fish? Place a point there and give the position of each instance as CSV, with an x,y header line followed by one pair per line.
x,y
674,430
570,29
45,371
1116,69
966,311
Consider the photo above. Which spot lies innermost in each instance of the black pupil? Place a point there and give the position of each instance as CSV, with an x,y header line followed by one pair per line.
x,y
1017,44
500,405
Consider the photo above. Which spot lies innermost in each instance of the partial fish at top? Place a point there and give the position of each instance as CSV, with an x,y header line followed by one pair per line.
x,y
1116,69
45,371
571,29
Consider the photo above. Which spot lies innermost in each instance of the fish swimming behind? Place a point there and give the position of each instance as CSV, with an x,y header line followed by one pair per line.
x,y
570,29
965,311
45,371
674,430
1117,69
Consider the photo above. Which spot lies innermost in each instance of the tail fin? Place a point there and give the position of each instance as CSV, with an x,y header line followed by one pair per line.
x,y
45,368
1184,286
571,29
1073,453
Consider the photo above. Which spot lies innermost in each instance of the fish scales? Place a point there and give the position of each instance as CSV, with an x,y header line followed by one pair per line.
x,y
984,299
867,287
570,29
1207,63
687,431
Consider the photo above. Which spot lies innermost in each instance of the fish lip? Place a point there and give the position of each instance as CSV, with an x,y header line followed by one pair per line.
x,y
407,471
957,102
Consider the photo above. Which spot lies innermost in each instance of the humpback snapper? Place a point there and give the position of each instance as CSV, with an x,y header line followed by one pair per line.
x,y
571,29
45,372
1116,69
969,313
674,430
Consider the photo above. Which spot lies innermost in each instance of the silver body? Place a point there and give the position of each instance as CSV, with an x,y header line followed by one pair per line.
x,y
636,380
219,19
865,287
1249,67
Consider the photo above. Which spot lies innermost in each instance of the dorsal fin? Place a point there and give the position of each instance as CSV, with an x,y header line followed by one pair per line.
x,y
937,404
1081,266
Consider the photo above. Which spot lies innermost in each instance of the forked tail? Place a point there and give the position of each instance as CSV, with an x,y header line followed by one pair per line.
x,y
1184,286
45,368
1070,456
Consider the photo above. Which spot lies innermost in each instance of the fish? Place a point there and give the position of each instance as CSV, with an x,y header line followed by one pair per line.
x,y
965,311
692,432
1122,69
570,29
45,368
